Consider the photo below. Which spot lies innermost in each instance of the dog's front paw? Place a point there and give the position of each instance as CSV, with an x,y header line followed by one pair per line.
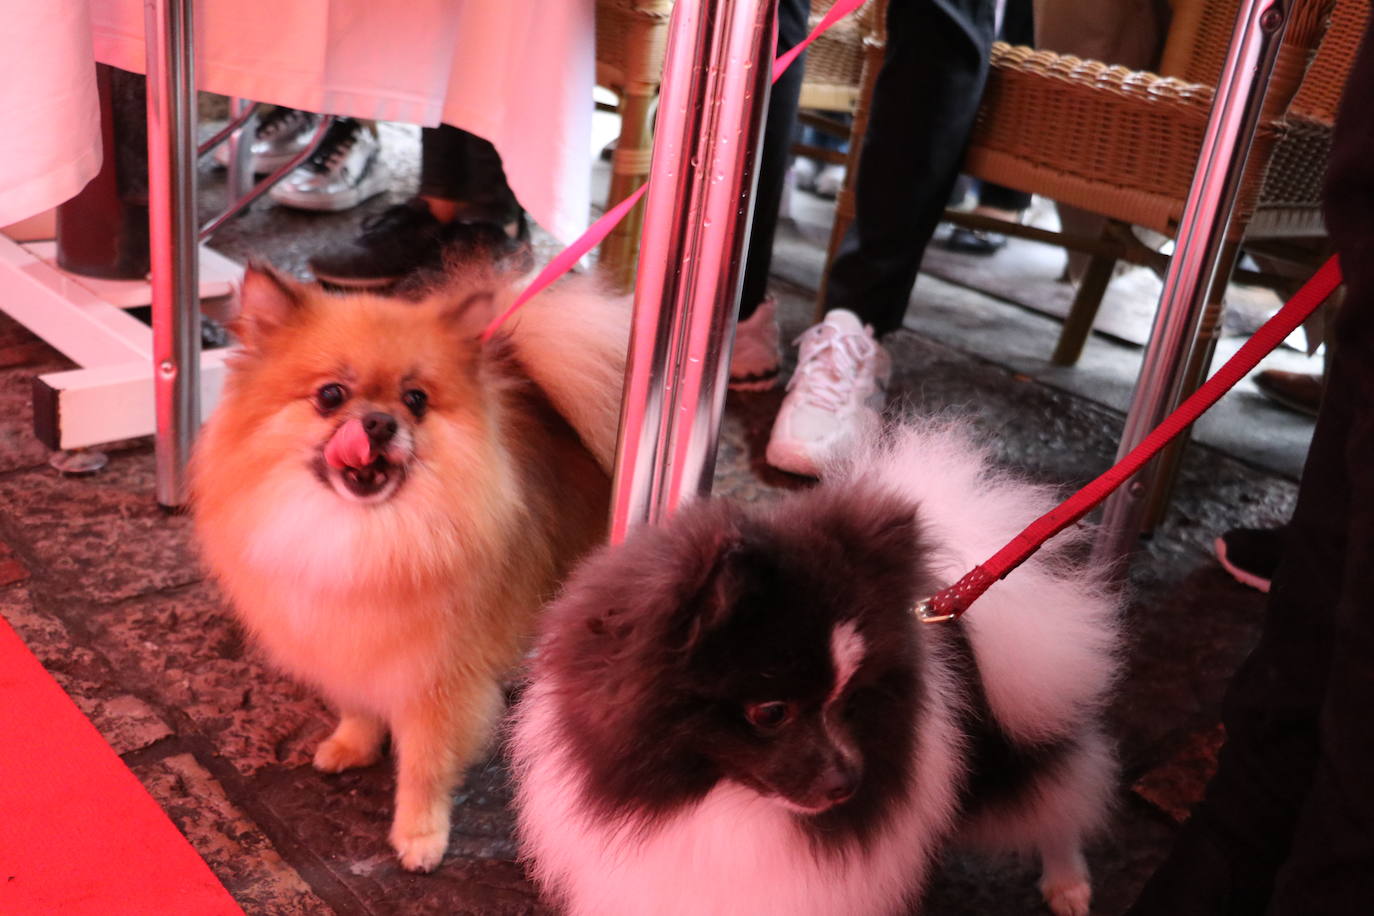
x,y
420,851
1068,898
336,754
356,742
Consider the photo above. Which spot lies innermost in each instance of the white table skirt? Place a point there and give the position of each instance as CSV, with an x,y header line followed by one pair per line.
x,y
50,139
517,72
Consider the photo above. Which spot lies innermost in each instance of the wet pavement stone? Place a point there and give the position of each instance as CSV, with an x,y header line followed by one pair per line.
x,y
235,848
1177,784
126,721
106,589
101,537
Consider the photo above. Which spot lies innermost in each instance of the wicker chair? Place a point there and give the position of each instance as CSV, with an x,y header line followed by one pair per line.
x,y
631,39
1124,144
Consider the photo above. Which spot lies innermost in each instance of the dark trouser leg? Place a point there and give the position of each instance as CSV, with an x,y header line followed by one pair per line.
x,y
1002,198
1287,825
773,158
1018,28
461,166
923,108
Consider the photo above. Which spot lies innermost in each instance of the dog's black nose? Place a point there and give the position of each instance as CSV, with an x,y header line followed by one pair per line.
x,y
380,427
841,783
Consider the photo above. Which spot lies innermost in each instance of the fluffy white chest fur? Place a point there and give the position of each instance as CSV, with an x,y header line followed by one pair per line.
x,y
1008,704
733,853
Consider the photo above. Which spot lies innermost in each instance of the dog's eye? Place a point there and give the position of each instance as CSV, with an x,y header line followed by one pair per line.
x,y
330,396
771,715
416,401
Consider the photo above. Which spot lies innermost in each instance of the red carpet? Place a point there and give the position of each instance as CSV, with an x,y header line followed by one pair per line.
x,y
78,832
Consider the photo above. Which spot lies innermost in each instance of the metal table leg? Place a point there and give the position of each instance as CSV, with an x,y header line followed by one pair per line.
x,y
715,91
240,180
1244,78
172,237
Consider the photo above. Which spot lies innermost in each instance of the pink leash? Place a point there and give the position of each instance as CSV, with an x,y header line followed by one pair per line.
x,y
955,600
952,602
565,259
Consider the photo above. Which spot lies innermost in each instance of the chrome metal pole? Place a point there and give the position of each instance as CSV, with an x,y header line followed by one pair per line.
x,y
172,236
696,225
240,179
1260,25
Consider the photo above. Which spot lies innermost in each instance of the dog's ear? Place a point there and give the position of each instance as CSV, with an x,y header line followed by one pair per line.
x,y
267,301
722,578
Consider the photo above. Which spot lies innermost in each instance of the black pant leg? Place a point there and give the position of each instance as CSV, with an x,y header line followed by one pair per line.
x,y
1018,28
923,109
458,165
1292,799
1330,869
773,157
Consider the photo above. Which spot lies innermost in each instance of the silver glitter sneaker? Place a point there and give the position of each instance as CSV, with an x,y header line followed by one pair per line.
x,y
342,173
281,135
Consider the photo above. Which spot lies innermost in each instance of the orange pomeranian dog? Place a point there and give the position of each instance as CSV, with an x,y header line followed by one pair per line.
x,y
387,502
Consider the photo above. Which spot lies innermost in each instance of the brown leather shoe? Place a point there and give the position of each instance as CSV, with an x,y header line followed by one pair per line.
x,y
1300,391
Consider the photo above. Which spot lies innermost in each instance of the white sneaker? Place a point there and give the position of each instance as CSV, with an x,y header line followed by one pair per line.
x,y
754,363
343,172
804,172
830,182
836,394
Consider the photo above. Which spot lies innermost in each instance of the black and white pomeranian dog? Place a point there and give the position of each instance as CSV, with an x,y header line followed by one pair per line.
x,y
738,712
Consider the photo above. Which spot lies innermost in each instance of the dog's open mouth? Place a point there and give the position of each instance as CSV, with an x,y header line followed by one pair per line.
x,y
363,465
373,481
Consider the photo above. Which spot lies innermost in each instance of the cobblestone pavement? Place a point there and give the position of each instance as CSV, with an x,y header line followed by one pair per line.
x,y
106,589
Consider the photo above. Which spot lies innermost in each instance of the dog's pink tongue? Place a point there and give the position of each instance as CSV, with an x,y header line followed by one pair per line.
x,y
349,448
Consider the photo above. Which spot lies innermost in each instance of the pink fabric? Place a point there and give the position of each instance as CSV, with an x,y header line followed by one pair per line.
x,y
50,144
517,72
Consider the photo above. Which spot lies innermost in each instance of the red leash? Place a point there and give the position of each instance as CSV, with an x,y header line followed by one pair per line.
x,y
953,601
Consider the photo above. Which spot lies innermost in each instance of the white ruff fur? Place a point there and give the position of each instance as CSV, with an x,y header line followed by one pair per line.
x,y
734,852
846,651
1044,638
1044,643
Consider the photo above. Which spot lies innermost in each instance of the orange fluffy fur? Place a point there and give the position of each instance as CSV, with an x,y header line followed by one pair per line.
x,y
405,612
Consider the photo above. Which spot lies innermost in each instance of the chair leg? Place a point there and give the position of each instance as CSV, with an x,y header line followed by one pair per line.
x,y
648,36
1079,323
1170,460
629,170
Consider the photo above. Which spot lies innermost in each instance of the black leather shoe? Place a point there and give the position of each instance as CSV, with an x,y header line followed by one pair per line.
x,y
405,239
975,241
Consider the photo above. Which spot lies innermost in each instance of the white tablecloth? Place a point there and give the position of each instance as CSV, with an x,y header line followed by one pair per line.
x,y
49,113
517,72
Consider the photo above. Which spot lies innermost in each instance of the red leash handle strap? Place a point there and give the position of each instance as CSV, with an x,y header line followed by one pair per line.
x,y
953,601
